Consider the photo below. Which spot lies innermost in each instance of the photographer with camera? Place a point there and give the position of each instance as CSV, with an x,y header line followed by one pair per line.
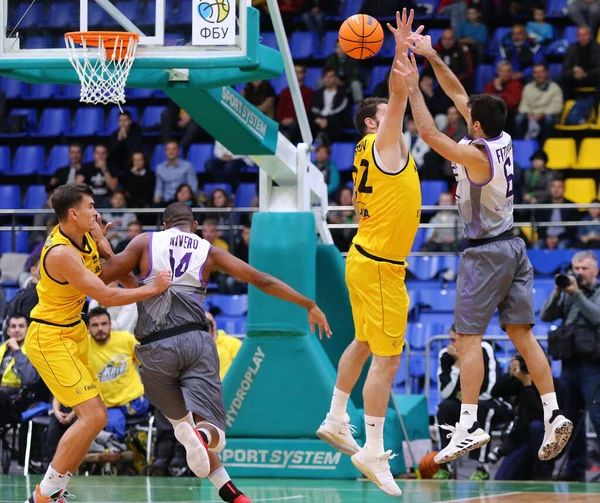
x,y
522,439
576,300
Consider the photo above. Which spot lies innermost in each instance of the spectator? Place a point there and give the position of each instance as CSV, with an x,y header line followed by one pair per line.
x,y
290,9
72,172
342,238
508,88
329,108
328,168
61,418
316,14
436,100
261,94
286,113
171,173
185,195
556,236
101,177
445,239
473,33
225,167
580,9
540,106
538,30
124,141
456,10
133,229
448,412
574,343
227,346
417,147
588,236
456,56
27,298
113,360
242,245
457,130
385,8
211,234
139,182
519,51
122,318
120,219
382,89
536,183
176,119
582,63
523,437
347,69
47,220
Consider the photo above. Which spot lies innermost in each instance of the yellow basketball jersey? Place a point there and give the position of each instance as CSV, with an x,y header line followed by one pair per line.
x,y
389,203
60,303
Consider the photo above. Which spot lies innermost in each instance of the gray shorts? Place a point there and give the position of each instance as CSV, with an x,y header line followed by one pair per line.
x,y
181,374
494,275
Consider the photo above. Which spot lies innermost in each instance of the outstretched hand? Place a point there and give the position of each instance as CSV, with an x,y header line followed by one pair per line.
x,y
99,231
407,68
403,28
315,315
421,45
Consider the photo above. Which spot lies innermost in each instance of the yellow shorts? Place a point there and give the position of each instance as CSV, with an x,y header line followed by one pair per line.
x,y
379,302
60,355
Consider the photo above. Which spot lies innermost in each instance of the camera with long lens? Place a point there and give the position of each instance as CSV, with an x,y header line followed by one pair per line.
x,y
563,281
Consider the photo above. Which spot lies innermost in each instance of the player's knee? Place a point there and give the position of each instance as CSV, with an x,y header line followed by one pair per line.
x,y
386,365
362,348
221,443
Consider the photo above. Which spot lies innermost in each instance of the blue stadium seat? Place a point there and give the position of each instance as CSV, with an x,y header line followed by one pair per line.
x,y
343,155
29,159
377,75
198,154
38,42
208,188
555,71
483,75
58,158
35,197
269,39
495,41
69,92
539,297
557,48
549,261
88,121
279,84
62,15
4,160
435,34
419,239
112,123
494,329
11,292
42,92
570,34
522,152
10,197
449,262
30,113
97,16
13,89
313,77
88,154
303,44
401,377
244,195
233,325
151,117
556,368
438,301
424,268
418,334
148,17
184,14
139,93
351,7
54,122
230,305
131,11
328,46
431,190
33,18
21,244
556,8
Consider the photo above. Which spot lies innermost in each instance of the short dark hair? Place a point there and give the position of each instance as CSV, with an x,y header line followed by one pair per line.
x,y
453,328
326,70
76,144
135,222
539,154
98,311
17,316
178,212
125,112
490,112
172,140
68,196
367,110
557,177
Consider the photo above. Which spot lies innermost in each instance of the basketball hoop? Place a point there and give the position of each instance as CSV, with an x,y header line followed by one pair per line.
x,y
102,60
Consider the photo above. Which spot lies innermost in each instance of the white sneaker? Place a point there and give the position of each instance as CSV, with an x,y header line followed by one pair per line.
x,y
195,448
461,442
377,470
338,434
556,436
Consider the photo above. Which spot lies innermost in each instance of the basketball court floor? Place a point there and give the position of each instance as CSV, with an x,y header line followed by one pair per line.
x,y
189,490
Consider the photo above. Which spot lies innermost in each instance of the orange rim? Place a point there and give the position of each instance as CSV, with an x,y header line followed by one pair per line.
x,y
109,38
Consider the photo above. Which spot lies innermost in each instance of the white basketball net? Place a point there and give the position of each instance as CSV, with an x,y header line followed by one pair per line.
x,y
103,75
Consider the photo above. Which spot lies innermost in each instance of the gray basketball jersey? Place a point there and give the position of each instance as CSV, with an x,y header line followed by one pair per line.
x,y
487,209
184,254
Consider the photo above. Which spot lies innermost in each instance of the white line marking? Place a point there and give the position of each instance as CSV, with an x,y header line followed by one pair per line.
x,y
482,497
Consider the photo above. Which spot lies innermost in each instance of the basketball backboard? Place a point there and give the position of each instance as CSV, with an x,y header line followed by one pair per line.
x,y
173,31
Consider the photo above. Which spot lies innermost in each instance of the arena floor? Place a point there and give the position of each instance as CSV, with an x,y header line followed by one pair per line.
x,y
13,489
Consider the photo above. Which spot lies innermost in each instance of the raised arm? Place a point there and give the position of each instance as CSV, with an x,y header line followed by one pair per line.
x,y
476,160
220,259
421,45
64,265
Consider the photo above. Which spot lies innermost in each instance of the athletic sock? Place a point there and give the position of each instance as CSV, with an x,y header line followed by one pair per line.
x,y
53,481
206,435
374,430
339,403
550,404
222,481
187,419
468,415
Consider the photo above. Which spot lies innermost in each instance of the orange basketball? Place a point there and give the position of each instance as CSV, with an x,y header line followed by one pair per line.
x,y
428,467
361,36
